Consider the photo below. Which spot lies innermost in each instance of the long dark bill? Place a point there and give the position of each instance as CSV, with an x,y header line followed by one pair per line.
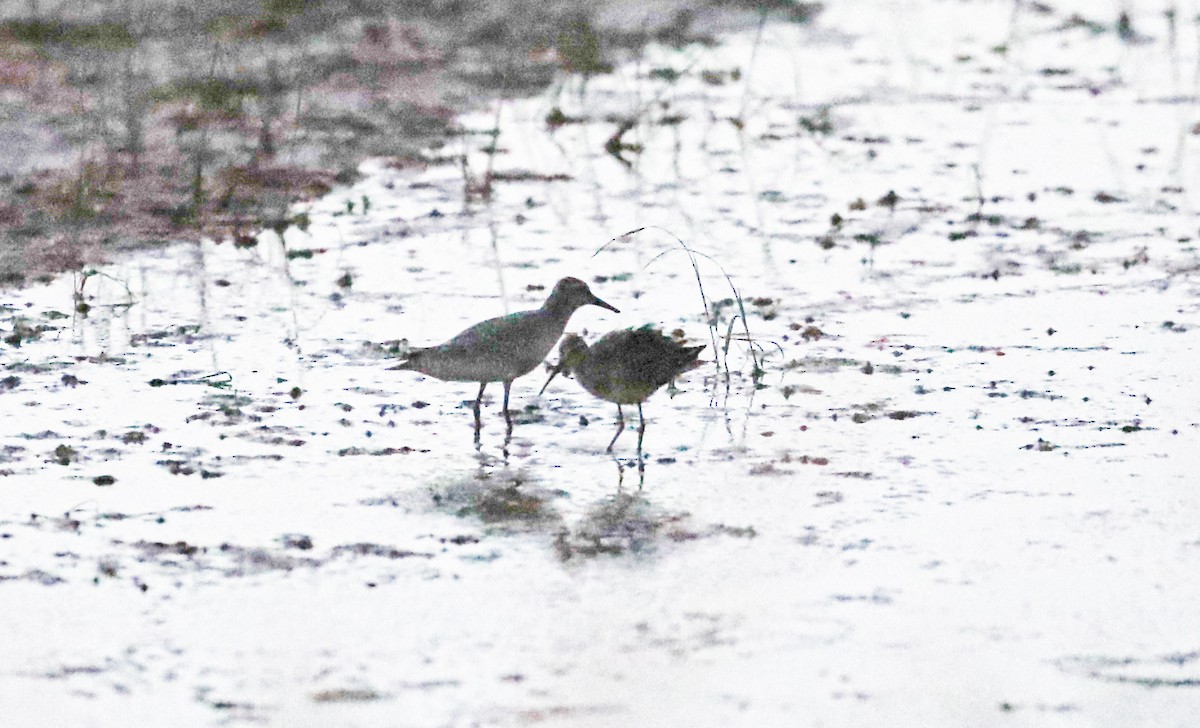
x,y
603,304
553,373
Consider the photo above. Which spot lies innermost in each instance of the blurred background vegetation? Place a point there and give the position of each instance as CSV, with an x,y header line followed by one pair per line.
x,y
134,122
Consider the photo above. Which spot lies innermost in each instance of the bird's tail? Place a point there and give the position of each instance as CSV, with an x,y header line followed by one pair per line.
x,y
690,356
412,363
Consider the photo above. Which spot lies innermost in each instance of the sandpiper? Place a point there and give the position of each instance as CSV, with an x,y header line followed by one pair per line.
x,y
624,367
504,348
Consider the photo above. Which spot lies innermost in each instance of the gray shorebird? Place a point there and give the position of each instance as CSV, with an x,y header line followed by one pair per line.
x,y
506,347
624,367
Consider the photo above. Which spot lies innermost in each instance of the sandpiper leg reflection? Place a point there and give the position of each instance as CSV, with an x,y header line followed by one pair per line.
x,y
620,427
621,472
641,434
508,423
507,416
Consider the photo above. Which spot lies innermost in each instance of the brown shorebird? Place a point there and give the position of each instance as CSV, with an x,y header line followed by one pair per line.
x,y
504,348
624,367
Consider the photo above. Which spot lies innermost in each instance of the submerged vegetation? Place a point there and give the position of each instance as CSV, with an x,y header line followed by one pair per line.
x,y
156,121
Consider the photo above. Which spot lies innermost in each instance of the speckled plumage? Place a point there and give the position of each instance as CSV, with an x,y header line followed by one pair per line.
x,y
625,367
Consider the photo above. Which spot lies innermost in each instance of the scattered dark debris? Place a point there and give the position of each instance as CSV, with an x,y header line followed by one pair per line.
x,y
766,307
69,670
403,450
662,73
808,333
182,467
65,455
211,380
188,333
35,575
804,459
714,77
232,706
735,531
62,523
244,240
10,453
372,549
819,123
768,468
296,541
877,597
191,509
177,467
1041,446
346,695
1140,257
1125,669
817,364
256,560
557,118
522,175
159,548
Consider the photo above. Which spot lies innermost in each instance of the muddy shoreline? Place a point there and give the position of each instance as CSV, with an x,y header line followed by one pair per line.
x,y
134,126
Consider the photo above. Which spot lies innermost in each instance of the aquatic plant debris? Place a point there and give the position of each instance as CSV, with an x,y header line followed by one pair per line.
x,y
961,491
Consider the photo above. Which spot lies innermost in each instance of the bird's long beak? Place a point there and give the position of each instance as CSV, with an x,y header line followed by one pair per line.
x,y
553,373
602,304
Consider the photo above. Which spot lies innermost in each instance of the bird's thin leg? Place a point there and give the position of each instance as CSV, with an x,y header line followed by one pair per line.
x,y
620,426
508,423
507,389
478,424
641,434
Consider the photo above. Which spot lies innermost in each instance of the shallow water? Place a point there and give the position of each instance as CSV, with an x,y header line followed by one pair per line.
x,y
966,497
